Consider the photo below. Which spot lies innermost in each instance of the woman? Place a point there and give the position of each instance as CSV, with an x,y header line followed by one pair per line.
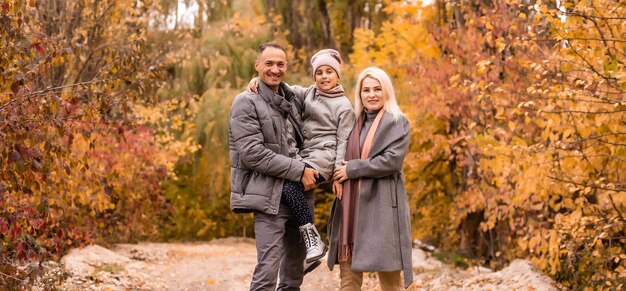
x,y
369,228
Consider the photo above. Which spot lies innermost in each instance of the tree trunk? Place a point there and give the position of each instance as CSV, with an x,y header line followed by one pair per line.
x,y
294,32
199,21
326,28
458,14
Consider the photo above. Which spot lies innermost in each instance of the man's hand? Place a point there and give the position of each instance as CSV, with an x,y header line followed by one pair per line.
x,y
253,86
338,189
308,178
340,173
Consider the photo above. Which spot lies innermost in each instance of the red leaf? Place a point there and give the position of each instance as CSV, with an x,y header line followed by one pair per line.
x,y
37,46
37,223
21,250
30,210
16,232
4,228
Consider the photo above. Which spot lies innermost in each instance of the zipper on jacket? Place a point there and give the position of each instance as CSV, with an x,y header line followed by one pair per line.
x,y
276,132
246,180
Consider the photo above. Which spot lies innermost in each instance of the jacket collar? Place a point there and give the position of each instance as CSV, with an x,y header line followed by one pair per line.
x,y
281,101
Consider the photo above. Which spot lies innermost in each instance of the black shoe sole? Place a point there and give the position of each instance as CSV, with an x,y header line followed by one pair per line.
x,y
318,257
312,267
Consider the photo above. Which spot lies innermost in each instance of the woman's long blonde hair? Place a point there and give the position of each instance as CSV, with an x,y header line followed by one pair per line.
x,y
390,104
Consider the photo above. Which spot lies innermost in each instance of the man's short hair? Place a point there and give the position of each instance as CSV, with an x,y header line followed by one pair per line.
x,y
270,44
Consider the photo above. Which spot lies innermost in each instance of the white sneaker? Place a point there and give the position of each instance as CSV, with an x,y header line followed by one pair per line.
x,y
315,248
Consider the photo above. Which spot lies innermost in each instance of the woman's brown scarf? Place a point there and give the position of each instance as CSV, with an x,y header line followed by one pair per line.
x,y
351,187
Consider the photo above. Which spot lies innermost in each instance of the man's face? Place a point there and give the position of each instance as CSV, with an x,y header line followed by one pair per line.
x,y
271,65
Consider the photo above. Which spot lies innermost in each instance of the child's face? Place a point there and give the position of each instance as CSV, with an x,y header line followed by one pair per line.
x,y
326,78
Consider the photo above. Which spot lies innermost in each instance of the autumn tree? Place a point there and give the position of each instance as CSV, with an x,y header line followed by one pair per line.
x,y
78,163
518,129
313,25
204,70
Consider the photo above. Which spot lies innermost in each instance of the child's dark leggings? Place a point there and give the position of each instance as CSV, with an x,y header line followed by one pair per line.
x,y
293,196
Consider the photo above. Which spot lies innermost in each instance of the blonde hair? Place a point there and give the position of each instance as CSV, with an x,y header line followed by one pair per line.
x,y
390,103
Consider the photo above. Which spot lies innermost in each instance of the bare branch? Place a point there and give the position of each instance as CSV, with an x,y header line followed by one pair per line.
x,y
609,80
593,156
617,189
582,112
14,278
593,16
615,207
578,38
612,143
592,137
54,89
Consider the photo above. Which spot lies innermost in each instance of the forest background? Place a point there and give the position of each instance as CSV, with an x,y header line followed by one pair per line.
x,y
114,122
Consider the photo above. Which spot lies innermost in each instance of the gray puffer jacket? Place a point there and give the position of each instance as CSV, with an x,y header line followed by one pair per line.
x,y
259,155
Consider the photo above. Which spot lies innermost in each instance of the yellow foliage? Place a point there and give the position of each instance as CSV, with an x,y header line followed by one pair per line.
x,y
517,123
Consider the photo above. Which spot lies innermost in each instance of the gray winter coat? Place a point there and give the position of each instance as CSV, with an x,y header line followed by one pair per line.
x,y
326,127
382,230
259,158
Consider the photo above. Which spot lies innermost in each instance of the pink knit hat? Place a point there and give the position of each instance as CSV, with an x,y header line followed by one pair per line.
x,y
328,57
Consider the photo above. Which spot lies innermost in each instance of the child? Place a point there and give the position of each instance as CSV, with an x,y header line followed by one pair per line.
x,y
328,118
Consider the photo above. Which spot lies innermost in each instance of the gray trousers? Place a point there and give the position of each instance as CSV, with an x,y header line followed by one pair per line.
x,y
280,250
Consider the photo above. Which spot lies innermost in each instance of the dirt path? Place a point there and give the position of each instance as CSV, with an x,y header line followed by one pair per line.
x,y
227,264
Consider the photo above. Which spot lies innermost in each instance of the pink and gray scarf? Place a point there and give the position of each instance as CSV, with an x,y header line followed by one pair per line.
x,y
351,187
336,91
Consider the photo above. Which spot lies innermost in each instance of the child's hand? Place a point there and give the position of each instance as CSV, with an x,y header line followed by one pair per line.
x,y
253,86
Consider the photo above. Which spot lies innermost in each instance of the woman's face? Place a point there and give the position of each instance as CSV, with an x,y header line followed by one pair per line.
x,y
372,94
326,78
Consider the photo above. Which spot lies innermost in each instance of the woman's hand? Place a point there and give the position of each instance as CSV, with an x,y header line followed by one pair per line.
x,y
340,173
338,189
253,86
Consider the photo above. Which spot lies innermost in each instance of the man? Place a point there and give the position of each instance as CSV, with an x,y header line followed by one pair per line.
x,y
265,138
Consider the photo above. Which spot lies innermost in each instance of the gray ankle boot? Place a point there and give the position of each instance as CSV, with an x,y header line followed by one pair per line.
x,y
315,248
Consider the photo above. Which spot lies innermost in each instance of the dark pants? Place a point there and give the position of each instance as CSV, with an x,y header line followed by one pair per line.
x,y
280,250
293,196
